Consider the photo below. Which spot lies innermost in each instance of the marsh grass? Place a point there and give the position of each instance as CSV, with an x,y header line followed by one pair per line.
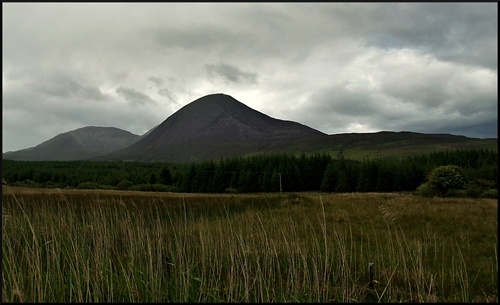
x,y
108,246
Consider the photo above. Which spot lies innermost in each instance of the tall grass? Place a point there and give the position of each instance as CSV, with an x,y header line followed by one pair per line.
x,y
84,246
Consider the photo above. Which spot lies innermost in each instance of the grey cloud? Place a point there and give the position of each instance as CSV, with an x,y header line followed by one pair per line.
x,y
340,101
231,73
337,67
249,38
204,37
62,85
457,99
158,81
134,96
482,130
447,30
457,32
168,94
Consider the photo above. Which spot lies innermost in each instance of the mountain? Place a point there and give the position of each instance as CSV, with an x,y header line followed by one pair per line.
x,y
218,126
213,126
79,144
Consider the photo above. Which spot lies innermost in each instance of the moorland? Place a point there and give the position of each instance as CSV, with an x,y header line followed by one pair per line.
x,y
77,245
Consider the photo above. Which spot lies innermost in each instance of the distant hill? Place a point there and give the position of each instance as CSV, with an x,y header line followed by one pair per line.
x,y
80,144
218,126
382,144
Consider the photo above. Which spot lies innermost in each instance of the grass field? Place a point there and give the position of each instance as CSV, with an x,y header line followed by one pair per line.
x,y
111,246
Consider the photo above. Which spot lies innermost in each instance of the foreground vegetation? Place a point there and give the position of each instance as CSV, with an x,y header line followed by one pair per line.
x,y
123,246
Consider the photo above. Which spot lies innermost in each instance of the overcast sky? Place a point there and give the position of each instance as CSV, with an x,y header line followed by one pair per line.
x,y
336,67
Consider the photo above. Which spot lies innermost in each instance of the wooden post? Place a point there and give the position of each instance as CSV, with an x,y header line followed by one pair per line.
x,y
371,271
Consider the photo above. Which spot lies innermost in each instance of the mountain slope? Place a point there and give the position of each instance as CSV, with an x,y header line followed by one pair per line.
x,y
213,126
382,144
79,144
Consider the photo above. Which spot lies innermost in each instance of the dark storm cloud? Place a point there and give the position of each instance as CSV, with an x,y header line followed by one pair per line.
x,y
231,73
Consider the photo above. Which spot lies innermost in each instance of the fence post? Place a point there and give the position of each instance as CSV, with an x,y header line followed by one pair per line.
x,y
371,270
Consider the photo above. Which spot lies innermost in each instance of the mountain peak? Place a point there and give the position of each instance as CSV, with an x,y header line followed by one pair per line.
x,y
220,117
211,119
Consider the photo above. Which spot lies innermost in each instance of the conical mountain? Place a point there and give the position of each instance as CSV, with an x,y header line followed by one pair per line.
x,y
213,126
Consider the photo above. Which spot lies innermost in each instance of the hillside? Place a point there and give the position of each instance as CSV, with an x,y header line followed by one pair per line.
x,y
359,146
80,144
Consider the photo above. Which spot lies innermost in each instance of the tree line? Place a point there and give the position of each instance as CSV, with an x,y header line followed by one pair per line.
x,y
259,173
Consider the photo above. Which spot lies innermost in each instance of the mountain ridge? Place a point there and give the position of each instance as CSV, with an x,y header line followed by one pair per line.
x,y
218,126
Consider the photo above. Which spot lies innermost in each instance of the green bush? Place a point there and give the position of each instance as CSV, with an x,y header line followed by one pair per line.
x,y
491,193
29,183
232,190
453,193
172,188
89,186
124,184
476,188
425,190
474,192
51,185
140,187
157,187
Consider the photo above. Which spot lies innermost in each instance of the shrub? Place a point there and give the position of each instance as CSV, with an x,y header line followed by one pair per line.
x,y
474,192
491,193
51,185
140,187
446,178
171,188
157,187
232,190
88,185
453,193
425,190
124,184
30,183
476,188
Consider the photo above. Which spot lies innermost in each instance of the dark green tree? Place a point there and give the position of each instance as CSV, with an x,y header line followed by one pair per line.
x,y
367,177
329,182
152,178
343,183
165,177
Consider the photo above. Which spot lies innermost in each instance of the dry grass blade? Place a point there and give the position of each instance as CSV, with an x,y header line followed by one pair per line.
x,y
387,212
